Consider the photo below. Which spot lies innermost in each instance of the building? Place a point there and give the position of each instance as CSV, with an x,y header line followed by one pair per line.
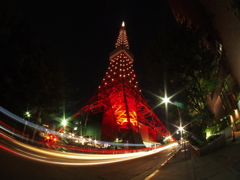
x,y
222,23
118,109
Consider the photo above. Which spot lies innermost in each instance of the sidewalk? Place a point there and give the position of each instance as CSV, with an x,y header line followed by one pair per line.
x,y
220,165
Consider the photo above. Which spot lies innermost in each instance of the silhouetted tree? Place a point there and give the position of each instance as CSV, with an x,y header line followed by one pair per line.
x,y
180,60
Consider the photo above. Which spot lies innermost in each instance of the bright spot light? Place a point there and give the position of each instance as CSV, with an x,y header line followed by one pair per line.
x,y
28,114
166,100
180,128
64,122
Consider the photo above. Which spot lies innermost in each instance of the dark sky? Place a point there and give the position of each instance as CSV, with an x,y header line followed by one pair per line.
x,y
82,34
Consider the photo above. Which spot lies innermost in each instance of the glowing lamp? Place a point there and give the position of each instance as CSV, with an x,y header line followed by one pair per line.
x,y
180,129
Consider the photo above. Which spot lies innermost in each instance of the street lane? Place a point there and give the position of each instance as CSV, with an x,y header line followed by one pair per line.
x,y
14,166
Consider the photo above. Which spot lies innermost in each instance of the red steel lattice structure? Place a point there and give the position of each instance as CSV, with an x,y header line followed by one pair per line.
x,y
119,96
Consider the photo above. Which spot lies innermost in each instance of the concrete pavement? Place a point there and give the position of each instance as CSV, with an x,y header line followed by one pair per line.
x,y
223,164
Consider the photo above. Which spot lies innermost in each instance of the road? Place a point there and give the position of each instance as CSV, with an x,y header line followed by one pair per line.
x,y
23,162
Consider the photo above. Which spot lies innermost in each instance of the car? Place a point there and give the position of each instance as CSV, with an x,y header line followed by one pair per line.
x,y
51,138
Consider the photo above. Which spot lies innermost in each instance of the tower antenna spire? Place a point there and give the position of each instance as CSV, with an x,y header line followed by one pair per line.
x,y
122,37
123,24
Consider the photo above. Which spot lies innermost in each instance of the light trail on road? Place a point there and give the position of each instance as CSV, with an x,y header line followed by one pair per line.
x,y
72,159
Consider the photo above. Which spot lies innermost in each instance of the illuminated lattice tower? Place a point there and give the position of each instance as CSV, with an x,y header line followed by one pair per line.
x,y
125,112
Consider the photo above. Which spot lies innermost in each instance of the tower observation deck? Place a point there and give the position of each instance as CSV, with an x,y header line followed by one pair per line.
x,y
125,113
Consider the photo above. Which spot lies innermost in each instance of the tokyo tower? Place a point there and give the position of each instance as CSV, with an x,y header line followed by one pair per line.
x,y
125,114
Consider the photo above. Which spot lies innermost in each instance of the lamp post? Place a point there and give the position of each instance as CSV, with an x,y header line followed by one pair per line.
x,y
166,100
180,122
180,128
64,123
28,115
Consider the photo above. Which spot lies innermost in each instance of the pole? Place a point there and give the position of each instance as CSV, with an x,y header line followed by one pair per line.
x,y
37,121
180,120
24,129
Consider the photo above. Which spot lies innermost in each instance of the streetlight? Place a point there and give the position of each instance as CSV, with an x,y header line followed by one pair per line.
x,y
166,100
180,128
64,123
180,120
28,115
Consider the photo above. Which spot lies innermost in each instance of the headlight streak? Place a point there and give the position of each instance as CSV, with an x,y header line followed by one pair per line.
x,y
136,155
100,159
89,156
103,159
74,148
64,163
29,153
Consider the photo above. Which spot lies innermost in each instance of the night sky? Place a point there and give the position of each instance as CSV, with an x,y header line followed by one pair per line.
x,y
83,33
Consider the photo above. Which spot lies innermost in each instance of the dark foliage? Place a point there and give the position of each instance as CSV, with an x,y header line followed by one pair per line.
x,y
180,61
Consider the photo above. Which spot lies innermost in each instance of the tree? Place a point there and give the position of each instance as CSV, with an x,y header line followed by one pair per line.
x,y
179,59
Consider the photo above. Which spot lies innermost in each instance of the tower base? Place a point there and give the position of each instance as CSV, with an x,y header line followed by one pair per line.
x,y
133,138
